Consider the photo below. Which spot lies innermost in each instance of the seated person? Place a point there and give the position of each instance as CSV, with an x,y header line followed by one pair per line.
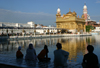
x,y
19,53
90,60
60,56
30,53
43,55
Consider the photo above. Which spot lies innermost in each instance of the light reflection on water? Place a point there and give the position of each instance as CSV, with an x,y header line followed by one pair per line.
x,y
76,46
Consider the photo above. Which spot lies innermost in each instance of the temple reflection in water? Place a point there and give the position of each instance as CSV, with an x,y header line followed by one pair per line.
x,y
76,46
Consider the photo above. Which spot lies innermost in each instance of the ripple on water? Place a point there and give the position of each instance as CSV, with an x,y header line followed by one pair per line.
x,y
35,64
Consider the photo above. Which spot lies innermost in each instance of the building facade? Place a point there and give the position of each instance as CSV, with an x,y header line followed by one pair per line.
x,y
70,22
28,25
28,28
6,27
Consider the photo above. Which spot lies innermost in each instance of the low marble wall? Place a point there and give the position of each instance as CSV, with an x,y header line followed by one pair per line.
x,y
46,36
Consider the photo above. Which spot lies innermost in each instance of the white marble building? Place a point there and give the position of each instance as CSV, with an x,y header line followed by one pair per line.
x,y
7,24
44,30
97,29
28,28
16,27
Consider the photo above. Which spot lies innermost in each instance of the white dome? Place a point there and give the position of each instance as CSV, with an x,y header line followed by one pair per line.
x,y
85,7
58,10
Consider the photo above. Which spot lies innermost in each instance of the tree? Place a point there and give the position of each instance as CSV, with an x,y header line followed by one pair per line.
x,y
35,25
89,27
41,24
63,31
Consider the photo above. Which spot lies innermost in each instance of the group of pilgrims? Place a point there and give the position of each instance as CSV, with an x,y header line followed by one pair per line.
x,y
90,59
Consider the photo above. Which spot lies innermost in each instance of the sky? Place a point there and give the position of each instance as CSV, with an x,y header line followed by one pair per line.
x,y
44,11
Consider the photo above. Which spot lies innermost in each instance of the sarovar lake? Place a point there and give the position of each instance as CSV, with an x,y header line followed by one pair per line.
x,y
76,46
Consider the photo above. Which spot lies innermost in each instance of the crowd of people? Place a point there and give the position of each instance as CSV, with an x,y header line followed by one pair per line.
x,y
90,59
31,54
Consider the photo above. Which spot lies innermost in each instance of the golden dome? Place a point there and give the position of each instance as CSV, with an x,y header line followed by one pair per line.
x,y
69,12
74,13
82,16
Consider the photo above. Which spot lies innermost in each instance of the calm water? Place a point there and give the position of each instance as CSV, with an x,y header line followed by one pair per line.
x,y
76,46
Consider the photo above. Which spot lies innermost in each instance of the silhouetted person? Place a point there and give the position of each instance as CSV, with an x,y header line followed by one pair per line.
x,y
30,53
60,56
43,55
90,60
19,53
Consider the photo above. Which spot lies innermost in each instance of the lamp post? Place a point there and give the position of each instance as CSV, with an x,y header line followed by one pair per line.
x,y
23,31
48,31
7,32
34,32
53,32
57,31
12,32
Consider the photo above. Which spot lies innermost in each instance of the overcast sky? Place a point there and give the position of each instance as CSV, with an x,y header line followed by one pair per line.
x,y
44,11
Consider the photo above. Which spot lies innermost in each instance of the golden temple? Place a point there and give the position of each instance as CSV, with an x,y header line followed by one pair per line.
x,y
70,22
